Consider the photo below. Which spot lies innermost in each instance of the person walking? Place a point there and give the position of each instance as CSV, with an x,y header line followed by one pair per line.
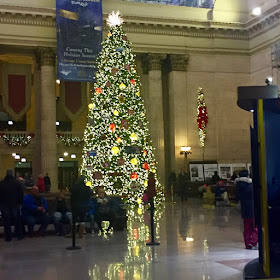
x,y
245,195
11,198
182,184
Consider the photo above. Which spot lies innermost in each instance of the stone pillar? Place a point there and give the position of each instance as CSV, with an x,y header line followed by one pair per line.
x,y
48,144
178,108
155,110
36,161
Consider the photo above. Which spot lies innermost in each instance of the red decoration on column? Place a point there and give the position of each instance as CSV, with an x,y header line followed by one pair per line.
x,y
202,117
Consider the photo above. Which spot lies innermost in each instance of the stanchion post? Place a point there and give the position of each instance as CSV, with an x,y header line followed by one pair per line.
x,y
152,243
172,194
73,247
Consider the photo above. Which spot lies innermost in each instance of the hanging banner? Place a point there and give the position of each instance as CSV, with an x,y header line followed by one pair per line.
x,y
79,36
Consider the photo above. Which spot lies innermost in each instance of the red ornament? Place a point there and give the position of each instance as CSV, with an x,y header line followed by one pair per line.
x,y
133,81
144,153
133,175
98,90
32,135
146,166
112,127
59,135
2,135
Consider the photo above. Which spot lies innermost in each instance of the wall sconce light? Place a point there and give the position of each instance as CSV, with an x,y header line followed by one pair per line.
x,y
23,159
65,154
17,156
73,156
10,122
61,159
185,151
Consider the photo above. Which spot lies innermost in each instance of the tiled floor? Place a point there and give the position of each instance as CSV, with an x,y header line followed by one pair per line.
x,y
196,243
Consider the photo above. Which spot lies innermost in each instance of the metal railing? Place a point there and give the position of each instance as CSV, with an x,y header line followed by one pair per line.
x,y
208,4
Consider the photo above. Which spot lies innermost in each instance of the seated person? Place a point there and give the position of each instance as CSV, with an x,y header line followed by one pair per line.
x,y
90,214
61,214
221,193
34,210
104,211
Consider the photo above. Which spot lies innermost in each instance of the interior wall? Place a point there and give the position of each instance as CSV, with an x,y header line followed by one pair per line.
x,y
227,139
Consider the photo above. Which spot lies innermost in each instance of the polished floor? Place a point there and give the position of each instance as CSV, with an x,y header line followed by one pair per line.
x,y
196,243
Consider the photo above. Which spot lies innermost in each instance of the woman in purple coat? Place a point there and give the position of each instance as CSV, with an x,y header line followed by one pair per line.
x,y
245,196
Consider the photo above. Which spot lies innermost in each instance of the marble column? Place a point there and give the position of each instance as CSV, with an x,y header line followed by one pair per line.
x,y
155,109
48,142
178,108
36,161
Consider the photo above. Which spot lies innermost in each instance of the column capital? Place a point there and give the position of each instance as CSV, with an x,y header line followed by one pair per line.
x,y
45,56
152,61
178,62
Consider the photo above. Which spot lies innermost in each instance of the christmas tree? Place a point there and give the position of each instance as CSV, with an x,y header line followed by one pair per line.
x,y
118,152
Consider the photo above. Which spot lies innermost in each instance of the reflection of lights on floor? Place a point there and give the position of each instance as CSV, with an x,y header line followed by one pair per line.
x,y
205,247
189,239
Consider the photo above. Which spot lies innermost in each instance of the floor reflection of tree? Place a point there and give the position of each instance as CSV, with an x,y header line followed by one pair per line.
x,y
136,264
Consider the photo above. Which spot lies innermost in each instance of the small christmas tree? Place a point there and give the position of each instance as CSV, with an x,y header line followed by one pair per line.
x,y
118,154
202,117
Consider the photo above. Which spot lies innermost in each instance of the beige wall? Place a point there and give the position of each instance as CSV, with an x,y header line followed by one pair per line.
x,y
228,128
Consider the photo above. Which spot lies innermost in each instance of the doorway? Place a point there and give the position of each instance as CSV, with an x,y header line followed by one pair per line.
x,y
67,174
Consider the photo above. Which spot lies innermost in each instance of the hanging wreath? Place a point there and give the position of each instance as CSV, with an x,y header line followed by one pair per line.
x,y
202,117
21,141
69,141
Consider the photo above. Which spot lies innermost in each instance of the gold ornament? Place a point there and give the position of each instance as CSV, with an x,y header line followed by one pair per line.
x,y
137,93
91,106
115,150
119,139
89,184
116,112
139,200
122,86
133,136
134,161
146,183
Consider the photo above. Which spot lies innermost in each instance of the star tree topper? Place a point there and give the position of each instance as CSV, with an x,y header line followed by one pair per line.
x,y
114,19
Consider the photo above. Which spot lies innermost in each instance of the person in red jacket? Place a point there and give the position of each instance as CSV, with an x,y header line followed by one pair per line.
x,y
41,184
151,190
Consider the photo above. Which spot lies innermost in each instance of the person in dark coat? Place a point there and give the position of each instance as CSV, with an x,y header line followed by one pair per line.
x,y
47,182
215,178
34,211
182,184
245,196
80,195
61,214
11,197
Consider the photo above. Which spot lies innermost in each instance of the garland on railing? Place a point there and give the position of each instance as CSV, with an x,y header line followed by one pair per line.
x,y
17,140
68,141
